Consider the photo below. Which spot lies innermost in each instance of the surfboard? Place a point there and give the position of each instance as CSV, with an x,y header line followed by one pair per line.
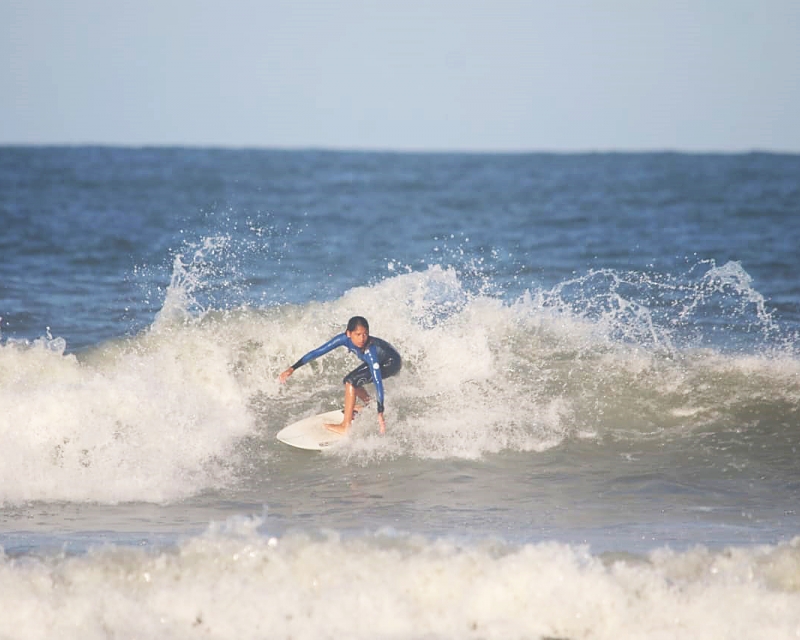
x,y
309,433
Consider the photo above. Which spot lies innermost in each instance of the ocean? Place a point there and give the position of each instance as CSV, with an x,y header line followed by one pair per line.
x,y
595,433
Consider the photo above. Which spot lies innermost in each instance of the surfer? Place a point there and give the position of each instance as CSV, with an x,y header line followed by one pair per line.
x,y
379,360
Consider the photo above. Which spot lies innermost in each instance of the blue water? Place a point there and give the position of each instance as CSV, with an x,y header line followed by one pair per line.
x,y
97,215
601,381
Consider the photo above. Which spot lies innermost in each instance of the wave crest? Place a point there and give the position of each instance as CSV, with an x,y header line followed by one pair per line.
x,y
192,401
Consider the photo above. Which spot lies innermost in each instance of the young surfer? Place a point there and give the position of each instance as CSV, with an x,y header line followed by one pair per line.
x,y
380,360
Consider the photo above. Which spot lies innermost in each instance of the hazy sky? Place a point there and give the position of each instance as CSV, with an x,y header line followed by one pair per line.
x,y
695,75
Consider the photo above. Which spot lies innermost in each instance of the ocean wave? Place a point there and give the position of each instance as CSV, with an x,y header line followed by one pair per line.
x,y
237,581
138,420
164,414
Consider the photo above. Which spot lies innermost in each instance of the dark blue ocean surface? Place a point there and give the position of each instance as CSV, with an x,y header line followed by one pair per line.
x,y
89,235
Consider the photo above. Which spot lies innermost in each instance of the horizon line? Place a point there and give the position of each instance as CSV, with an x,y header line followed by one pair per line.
x,y
401,150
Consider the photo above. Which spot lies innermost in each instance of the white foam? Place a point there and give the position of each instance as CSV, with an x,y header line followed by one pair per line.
x,y
149,420
482,375
158,417
235,583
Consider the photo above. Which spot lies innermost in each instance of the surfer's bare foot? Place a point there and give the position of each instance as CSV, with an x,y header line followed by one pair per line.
x,y
337,428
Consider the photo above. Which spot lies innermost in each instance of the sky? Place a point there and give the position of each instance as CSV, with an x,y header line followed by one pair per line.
x,y
435,75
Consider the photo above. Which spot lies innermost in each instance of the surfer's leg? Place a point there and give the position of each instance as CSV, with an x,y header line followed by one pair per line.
x,y
357,378
349,406
362,395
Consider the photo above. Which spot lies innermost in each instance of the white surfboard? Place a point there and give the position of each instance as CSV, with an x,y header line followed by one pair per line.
x,y
309,433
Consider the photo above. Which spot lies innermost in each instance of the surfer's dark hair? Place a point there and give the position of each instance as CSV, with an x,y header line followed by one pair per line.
x,y
357,321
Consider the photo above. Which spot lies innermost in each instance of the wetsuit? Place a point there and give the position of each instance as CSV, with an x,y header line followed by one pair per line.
x,y
380,359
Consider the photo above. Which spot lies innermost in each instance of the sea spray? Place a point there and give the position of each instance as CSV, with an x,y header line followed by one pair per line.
x,y
192,402
148,418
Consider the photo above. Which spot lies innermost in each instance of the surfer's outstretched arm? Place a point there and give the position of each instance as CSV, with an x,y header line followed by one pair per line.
x,y
330,345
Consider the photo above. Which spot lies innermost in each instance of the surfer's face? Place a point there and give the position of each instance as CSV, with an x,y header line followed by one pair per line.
x,y
359,336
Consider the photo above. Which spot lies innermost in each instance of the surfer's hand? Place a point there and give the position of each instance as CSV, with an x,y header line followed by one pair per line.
x,y
382,423
285,375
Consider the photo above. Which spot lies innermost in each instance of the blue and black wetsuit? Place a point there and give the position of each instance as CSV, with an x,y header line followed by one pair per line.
x,y
380,359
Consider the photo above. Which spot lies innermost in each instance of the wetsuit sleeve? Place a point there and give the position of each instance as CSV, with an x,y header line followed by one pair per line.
x,y
330,345
371,358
